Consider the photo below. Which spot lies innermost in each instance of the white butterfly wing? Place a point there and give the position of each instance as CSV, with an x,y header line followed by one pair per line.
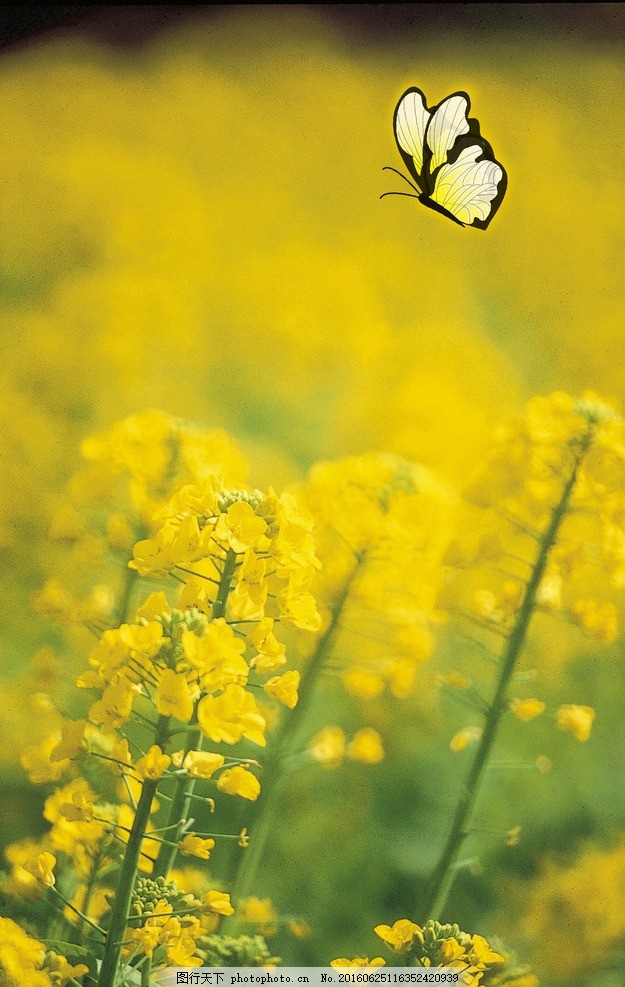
x,y
447,123
411,120
466,188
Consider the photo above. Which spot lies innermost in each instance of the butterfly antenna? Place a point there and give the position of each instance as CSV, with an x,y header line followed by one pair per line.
x,y
403,177
408,195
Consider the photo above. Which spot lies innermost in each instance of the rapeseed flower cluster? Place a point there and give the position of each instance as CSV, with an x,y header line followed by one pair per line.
x,y
245,561
552,500
447,947
128,471
21,958
257,547
381,524
242,581
551,516
565,456
190,660
131,471
441,945
25,962
518,491
569,916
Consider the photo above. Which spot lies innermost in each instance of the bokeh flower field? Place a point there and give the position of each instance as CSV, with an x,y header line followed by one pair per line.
x,y
312,508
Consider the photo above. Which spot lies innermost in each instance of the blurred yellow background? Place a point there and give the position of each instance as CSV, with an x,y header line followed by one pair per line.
x,y
198,227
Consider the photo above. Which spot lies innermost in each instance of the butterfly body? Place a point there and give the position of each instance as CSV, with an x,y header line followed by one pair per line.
x,y
453,167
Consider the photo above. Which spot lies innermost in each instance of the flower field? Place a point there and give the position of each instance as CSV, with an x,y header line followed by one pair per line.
x,y
312,508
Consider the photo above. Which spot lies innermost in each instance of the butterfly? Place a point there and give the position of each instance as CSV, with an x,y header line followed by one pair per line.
x,y
453,166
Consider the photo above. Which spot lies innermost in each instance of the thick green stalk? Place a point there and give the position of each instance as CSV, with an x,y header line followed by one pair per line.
x,y
146,972
183,793
178,811
282,742
128,873
445,870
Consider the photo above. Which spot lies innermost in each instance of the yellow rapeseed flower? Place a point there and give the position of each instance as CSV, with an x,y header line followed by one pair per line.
x,y
284,688
80,808
37,760
143,940
239,781
230,716
366,746
217,655
401,935
114,708
482,954
576,720
73,837
72,740
194,846
153,607
260,911
153,765
202,764
599,620
21,958
42,867
270,652
217,902
240,528
328,747
173,695
463,738
22,882
526,709
119,757
61,971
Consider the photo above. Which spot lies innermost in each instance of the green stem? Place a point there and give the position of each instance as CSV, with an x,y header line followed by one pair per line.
x,y
89,890
181,802
146,972
128,873
445,870
266,810
123,604
77,911
178,811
